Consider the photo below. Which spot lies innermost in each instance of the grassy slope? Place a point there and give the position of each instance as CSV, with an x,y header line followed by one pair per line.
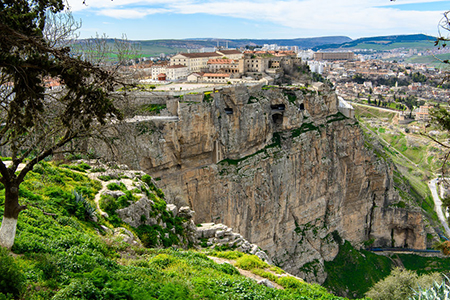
x,y
61,255
422,161
435,61
353,272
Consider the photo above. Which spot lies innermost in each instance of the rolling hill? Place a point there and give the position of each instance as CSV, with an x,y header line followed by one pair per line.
x,y
418,41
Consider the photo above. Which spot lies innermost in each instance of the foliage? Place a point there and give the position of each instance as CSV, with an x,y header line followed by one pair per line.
x,y
63,257
153,108
12,281
248,262
399,285
116,186
38,121
354,272
444,246
82,167
227,254
437,291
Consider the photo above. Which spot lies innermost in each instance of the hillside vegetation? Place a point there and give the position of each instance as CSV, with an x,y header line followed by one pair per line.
x,y
415,157
61,252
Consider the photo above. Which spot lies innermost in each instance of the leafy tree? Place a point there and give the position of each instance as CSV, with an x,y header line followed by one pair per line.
x,y
36,121
410,102
358,78
400,285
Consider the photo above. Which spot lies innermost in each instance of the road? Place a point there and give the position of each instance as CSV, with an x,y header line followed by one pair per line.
x,y
438,206
376,107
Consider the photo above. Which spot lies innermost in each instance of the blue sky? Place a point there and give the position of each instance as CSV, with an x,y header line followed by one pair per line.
x,y
179,19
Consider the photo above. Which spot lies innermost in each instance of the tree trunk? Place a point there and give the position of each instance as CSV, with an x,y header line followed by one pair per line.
x,y
12,210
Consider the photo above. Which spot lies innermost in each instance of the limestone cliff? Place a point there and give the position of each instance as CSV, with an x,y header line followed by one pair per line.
x,y
281,166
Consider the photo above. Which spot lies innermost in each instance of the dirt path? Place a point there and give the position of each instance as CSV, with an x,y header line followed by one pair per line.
x,y
245,273
99,193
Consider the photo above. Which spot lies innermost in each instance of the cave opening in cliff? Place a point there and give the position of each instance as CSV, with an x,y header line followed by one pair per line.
x,y
228,111
302,106
277,119
280,107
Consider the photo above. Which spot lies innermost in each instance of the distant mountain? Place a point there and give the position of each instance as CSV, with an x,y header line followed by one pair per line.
x,y
383,42
152,47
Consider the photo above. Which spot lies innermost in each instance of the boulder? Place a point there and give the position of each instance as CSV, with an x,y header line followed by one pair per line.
x,y
266,283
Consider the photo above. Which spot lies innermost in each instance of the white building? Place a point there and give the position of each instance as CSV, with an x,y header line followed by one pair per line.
x,y
175,72
316,66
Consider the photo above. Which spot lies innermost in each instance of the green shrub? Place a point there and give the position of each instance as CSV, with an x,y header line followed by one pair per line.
x,y
227,254
265,274
289,282
113,186
12,281
82,167
149,235
400,284
108,203
105,177
162,261
47,264
277,270
122,202
248,262
98,170
173,291
79,289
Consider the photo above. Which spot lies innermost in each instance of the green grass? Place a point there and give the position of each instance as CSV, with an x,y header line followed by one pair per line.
x,y
424,265
60,254
354,272
227,254
248,262
369,112
429,60
152,108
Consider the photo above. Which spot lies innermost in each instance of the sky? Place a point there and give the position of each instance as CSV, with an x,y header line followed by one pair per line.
x,y
256,19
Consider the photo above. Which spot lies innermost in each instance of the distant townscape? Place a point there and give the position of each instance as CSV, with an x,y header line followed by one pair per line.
x,y
382,78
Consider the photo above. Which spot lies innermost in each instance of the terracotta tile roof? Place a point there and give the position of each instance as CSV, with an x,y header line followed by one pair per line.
x,y
215,75
229,52
220,61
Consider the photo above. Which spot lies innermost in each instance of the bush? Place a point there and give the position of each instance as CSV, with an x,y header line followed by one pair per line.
x,y
105,177
162,261
248,262
113,186
227,254
399,285
289,282
12,281
437,291
265,274
108,204
79,289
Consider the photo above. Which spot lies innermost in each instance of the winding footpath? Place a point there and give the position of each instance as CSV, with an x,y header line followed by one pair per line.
x,y
438,206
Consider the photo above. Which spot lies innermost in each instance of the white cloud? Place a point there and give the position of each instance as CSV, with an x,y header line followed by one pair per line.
x,y
326,17
130,13
344,16
77,5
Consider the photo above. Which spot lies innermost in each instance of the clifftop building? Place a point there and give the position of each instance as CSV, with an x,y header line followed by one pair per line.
x,y
334,56
197,62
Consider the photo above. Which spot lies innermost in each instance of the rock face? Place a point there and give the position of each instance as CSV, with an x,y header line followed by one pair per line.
x,y
282,167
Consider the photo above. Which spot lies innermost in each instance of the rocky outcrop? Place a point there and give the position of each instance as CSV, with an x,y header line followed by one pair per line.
x,y
219,235
282,167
